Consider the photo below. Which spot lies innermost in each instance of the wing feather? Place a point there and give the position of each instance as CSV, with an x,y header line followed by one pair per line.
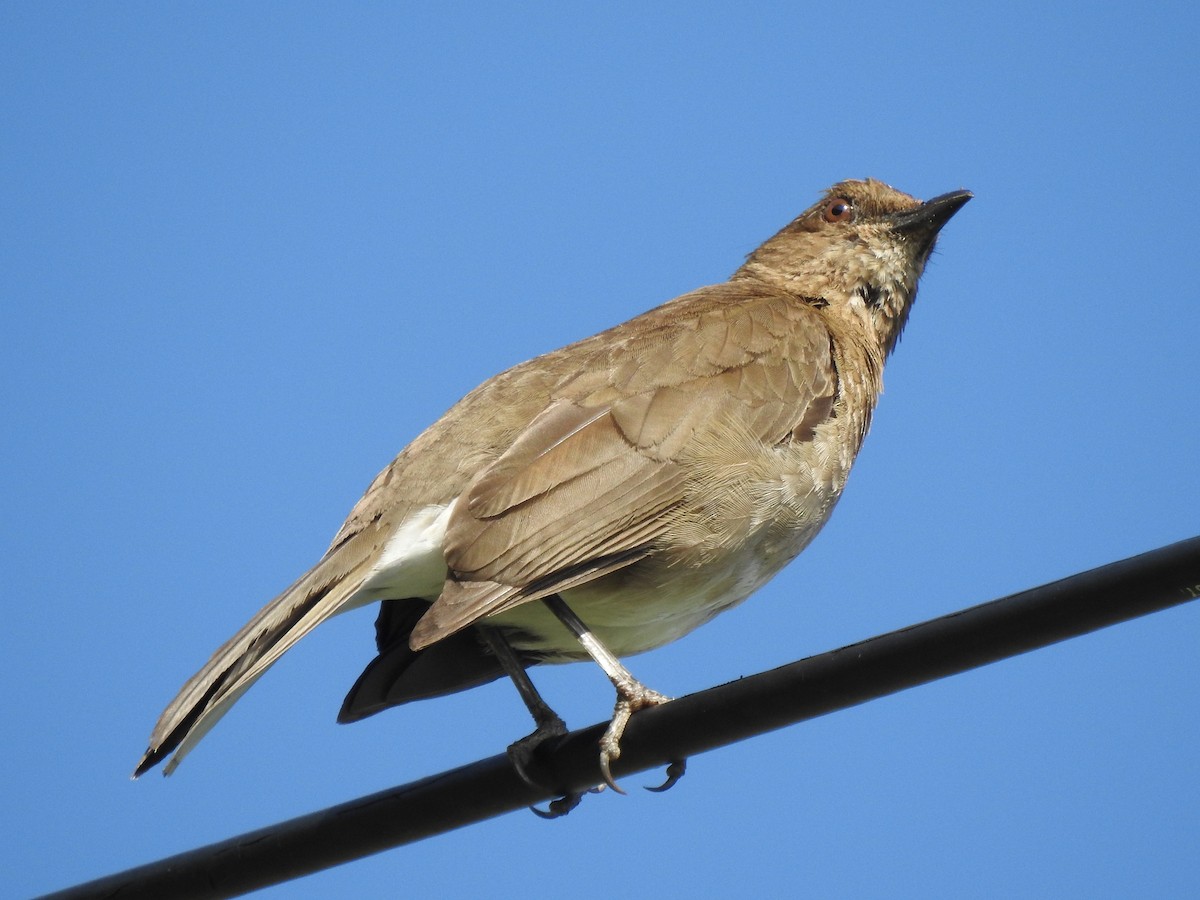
x,y
588,487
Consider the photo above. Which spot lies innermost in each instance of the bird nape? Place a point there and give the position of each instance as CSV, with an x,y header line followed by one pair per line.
x,y
629,486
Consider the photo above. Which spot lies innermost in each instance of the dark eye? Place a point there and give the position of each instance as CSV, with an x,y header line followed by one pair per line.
x,y
838,209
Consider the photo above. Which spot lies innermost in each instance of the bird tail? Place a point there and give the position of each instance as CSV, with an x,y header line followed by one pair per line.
x,y
242,660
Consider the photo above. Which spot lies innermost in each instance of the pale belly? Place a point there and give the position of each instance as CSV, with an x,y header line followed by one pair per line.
x,y
769,513
651,603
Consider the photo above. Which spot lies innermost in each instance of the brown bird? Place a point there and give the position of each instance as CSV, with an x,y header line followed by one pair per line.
x,y
609,497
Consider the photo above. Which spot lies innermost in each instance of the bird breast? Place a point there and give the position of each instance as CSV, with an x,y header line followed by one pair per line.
x,y
740,526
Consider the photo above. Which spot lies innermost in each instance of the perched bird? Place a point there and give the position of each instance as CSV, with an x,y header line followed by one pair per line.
x,y
609,497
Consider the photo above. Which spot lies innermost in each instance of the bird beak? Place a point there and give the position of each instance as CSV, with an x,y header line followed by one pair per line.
x,y
928,218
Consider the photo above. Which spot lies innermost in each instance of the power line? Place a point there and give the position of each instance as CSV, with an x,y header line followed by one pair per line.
x,y
685,727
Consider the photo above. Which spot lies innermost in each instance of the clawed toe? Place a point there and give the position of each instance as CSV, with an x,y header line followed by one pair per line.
x,y
558,808
521,753
629,700
564,804
605,757
675,771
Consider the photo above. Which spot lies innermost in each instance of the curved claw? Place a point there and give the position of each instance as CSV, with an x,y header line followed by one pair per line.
x,y
564,804
558,808
521,753
675,771
520,764
607,773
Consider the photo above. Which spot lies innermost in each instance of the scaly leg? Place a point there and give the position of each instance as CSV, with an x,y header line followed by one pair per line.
x,y
632,695
549,723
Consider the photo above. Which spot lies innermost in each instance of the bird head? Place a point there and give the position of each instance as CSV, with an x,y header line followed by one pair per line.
x,y
857,254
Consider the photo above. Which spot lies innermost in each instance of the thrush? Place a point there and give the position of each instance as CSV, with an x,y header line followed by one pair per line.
x,y
611,496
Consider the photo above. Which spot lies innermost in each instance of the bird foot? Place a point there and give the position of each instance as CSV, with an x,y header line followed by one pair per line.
x,y
630,699
521,754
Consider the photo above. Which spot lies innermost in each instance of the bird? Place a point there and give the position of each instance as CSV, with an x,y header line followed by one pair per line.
x,y
609,497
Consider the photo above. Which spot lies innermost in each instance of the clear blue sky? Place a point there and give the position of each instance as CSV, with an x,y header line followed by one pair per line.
x,y
249,251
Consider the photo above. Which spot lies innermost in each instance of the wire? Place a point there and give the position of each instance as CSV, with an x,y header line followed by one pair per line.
x,y
685,727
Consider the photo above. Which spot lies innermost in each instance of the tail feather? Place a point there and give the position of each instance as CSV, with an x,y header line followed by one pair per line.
x,y
400,674
243,659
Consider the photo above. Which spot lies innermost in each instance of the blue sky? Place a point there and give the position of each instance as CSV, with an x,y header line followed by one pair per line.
x,y
250,251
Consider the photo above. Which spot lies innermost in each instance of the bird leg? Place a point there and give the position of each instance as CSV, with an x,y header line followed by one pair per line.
x,y
632,695
549,724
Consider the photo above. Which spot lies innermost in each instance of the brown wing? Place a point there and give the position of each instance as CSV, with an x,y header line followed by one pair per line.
x,y
588,486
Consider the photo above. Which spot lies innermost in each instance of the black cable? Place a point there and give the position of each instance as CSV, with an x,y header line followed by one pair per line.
x,y
690,725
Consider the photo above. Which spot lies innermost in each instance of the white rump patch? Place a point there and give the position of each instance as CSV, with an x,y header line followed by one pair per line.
x,y
412,563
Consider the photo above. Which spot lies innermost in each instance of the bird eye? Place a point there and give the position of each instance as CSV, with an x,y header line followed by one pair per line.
x,y
838,209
